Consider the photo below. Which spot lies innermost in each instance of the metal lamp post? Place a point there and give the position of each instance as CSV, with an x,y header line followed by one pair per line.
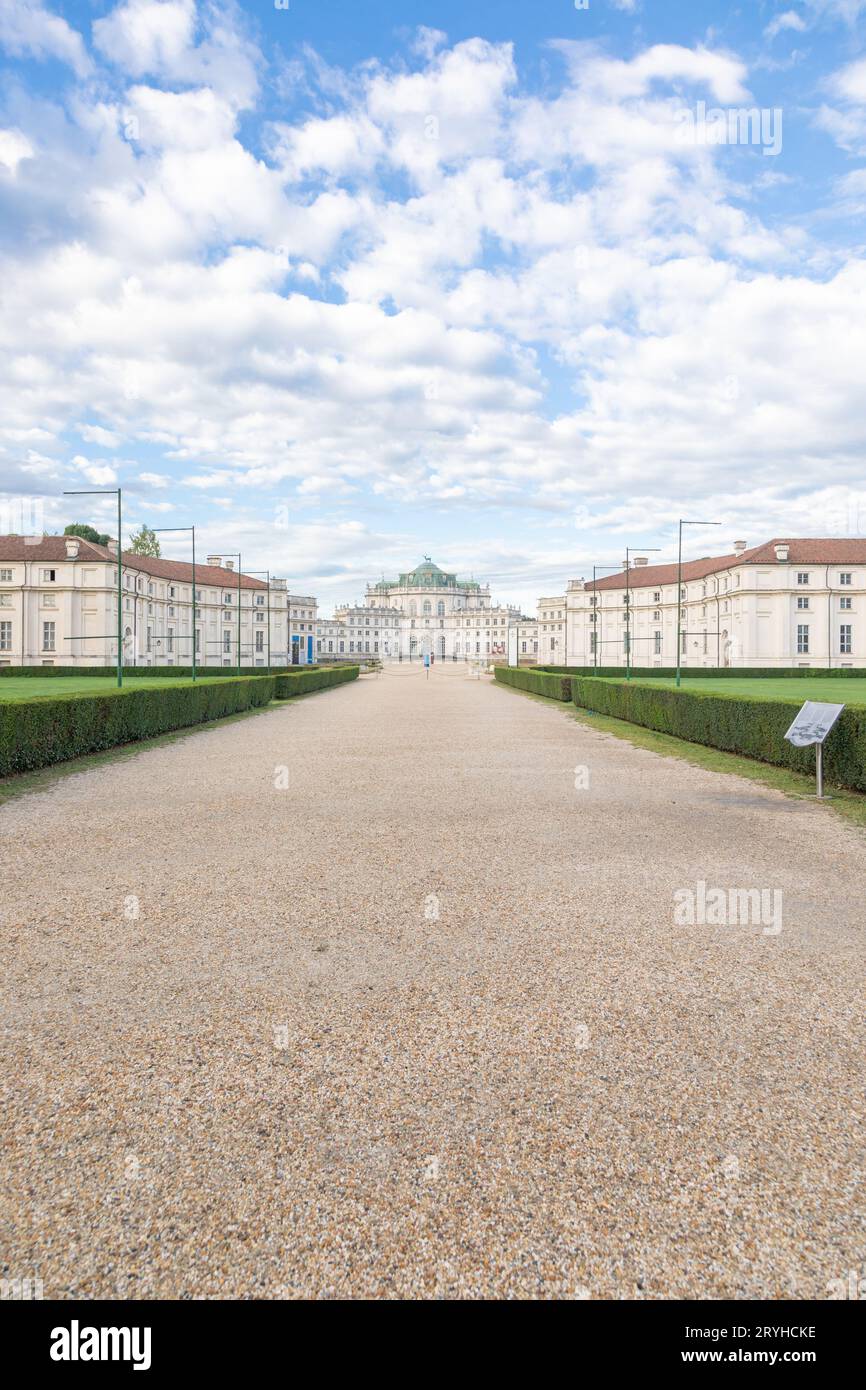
x,y
629,551
160,530
112,492
683,523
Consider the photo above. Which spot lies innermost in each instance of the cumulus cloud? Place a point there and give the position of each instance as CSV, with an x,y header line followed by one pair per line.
x,y
28,29
428,285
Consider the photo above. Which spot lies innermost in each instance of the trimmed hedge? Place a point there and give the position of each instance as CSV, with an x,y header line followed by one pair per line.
x,y
552,684
52,728
735,723
169,672
711,672
301,682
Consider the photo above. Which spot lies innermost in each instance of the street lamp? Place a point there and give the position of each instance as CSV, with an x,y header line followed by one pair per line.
x,y
680,586
112,492
160,529
629,550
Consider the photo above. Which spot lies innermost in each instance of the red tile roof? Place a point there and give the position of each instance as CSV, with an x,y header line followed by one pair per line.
x,y
52,549
800,552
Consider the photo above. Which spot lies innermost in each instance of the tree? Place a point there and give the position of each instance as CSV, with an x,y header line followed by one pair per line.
x,y
87,533
145,542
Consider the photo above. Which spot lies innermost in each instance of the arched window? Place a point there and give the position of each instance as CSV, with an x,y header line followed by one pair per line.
x,y
440,608
427,607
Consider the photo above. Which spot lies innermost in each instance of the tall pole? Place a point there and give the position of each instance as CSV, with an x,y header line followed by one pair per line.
x,y
684,522
111,492
159,531
239,613
628,552
119,593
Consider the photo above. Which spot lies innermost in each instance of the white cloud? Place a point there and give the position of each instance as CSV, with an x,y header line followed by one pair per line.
x,y
789,19
100,474
155,479
14,146
95,434
172,40
26,28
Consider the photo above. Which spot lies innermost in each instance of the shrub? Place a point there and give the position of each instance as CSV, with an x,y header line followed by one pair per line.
x,y
554,685
735,723
51,728
711,672
307,678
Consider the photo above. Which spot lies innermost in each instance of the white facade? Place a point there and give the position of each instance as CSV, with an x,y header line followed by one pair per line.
x,y
785,603
425,611
58,607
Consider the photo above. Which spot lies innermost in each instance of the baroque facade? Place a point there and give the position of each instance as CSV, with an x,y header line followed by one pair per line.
x,y
58,607
426,611
784,603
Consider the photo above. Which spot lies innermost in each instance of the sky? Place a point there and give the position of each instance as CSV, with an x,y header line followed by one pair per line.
x,y
512,285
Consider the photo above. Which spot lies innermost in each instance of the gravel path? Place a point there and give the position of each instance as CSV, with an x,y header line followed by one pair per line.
x,y
422,1023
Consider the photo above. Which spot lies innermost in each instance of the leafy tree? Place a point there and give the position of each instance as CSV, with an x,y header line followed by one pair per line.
x,y
87,533
145,542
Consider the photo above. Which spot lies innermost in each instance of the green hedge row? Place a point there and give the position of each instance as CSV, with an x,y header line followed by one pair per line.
x,y
169,672
735,723
301,682
711,672
51,728
550,683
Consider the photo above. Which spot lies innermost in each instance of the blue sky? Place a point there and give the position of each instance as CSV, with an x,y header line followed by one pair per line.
x,y
512,285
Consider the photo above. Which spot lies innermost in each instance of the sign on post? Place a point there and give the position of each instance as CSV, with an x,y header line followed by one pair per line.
x,y
812,725
513,659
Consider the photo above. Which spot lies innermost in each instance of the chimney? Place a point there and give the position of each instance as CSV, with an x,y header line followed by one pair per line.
x,y
739,547
640,560
112,548
229,564
781,552
71,547
215,560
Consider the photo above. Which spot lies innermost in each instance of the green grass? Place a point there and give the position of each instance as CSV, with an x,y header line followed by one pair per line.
x,y
31,687
798,689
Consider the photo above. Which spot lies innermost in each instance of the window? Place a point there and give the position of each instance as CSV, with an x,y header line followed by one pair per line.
x,y
845,601
845,578
48,600
657,643
657,597
227,598
227,641
169,640
171,592
802,600
198,640
802,577
48,576
260,618
150,639
845,643
260,641
5,576
5,637
683,636
260,599
803,639
49,634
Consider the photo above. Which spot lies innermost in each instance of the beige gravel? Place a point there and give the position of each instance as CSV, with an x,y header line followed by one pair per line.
x,y
287,1077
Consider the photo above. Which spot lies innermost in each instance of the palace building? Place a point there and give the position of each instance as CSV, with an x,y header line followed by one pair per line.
x,y
58,607
426,611
784,603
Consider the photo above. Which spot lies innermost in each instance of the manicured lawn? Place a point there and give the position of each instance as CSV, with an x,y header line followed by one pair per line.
x,y
841,691
30,687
